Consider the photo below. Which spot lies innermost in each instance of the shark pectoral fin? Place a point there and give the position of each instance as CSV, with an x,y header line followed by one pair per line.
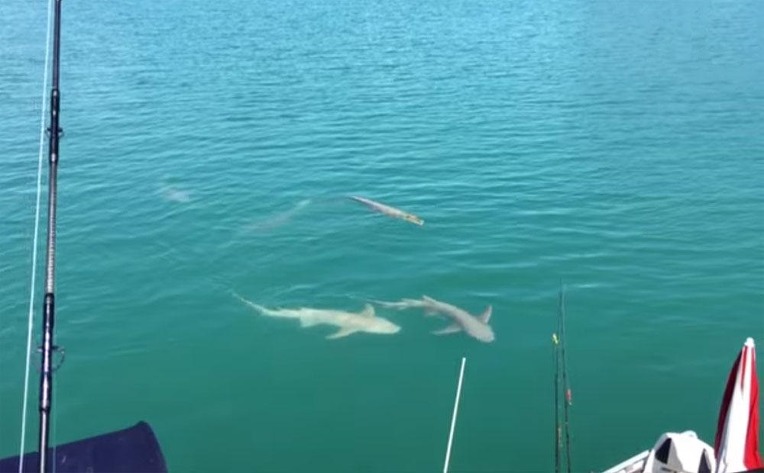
x,y
368,311
308,323
450,329
430,311
343,332
486,315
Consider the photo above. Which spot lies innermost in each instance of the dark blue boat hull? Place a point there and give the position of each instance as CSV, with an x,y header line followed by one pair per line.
x,y
131,450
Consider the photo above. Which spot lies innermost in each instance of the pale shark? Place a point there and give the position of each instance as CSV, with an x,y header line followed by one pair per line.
x,y
388,210
476,327
348,322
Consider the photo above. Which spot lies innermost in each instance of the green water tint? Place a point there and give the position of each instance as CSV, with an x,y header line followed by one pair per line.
x,y
613,146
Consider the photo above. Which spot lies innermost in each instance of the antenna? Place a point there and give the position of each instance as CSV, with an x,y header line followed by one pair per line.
x,y
46,379
453,417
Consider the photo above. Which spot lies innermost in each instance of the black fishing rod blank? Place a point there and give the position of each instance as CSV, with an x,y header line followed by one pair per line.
x,y
561,386
568,395
54,131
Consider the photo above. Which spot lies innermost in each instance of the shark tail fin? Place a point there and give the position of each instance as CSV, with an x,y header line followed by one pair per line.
x,y
486,315
258,308
400,305
428,311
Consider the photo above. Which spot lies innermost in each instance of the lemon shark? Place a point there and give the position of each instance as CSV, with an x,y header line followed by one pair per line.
x,y
388,210
348,322
475,326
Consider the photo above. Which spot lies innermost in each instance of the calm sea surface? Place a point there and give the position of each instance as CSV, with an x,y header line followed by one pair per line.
x,y
209,147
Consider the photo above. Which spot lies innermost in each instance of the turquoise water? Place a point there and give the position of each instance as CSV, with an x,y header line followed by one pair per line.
x,y
209,147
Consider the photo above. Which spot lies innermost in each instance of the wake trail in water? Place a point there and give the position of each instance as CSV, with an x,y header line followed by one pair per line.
x,y
278,219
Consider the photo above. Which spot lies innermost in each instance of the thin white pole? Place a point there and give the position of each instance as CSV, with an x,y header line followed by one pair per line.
x,y
453,417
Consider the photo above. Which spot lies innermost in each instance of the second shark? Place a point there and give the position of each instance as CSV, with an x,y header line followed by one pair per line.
x,y
475,326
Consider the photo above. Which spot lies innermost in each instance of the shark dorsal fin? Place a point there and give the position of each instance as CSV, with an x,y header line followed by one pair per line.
x,y
486,315
368,311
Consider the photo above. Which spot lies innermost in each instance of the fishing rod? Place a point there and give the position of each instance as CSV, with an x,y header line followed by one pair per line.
x,y
557,432
137,446
561,377
54,133
568,395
